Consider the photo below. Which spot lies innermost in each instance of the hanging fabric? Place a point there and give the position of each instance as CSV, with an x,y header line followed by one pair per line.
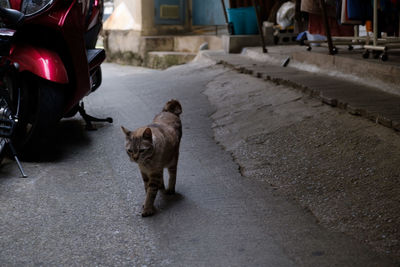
x,y
344,18
313,7
316,26
359,10
315,21
388,17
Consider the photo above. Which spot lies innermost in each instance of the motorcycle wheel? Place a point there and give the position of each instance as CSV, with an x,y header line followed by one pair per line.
x,y
6,113
72,112
42,104
2,149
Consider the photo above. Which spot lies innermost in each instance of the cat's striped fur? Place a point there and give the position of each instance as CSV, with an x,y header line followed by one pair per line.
x,y
155,147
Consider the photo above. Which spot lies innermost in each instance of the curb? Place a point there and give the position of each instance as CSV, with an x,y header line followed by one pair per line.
x,y
389,118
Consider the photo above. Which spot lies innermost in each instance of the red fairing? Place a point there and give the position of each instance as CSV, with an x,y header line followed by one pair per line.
x,y
16,4
72,23
41,62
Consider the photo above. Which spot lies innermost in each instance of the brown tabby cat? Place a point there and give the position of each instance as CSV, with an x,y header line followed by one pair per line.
x,y
155,147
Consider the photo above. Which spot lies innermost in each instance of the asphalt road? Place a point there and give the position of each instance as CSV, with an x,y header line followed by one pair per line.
x,y
82,207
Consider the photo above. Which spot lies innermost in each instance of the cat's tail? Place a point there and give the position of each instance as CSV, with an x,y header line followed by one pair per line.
x,y
173,106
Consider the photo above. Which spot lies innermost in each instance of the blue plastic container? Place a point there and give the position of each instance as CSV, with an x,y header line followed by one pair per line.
x,y
244,20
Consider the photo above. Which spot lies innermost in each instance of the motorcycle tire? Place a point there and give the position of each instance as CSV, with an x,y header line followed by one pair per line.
x,y
72,112
42,104
5,112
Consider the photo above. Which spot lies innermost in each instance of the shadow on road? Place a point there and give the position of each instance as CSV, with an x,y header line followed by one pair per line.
x,y
72,132
164,202
69,136
6,169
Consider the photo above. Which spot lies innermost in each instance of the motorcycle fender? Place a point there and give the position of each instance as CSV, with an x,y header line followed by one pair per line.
x,y
40,61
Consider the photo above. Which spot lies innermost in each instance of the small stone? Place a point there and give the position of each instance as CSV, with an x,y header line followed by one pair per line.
x,y
396,125
329,101
385,121
203,46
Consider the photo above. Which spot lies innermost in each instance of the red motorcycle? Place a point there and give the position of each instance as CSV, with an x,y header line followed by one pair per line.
x,y
48,63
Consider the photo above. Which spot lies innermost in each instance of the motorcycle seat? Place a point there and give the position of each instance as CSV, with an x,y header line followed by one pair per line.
x,y
95,57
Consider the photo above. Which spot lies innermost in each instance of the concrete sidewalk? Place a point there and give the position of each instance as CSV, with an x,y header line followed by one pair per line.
x,y
353,94
343,169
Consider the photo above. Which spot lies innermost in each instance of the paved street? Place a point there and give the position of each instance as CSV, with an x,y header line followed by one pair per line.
x,y
82,208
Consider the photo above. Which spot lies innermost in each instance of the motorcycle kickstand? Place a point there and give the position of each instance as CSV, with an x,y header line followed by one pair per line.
x,y
88,119
14,154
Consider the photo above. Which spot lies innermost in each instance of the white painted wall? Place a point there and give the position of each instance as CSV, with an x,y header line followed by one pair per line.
x,y
127,15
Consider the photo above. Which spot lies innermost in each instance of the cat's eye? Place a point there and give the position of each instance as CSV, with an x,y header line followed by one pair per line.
x,y
141,150
130,151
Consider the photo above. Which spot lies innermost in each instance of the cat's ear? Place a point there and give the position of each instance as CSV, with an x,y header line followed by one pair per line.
x,y
126,131
147,134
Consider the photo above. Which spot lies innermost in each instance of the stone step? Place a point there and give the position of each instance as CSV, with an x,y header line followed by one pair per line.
x,y
126,47
190,43
166,59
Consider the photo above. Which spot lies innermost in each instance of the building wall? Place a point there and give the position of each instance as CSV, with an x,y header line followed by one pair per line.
x,y
142,12
208,12
151,28
130,33
127,16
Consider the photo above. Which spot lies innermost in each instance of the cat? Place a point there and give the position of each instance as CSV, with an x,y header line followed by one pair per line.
x,y
155,147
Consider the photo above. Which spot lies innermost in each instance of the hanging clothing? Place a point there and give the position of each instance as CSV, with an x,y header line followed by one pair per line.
x,y
388,17
313,7
316,26
359,9
344,16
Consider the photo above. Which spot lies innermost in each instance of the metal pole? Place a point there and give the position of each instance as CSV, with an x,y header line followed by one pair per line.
x,y
14,153
224,8
327,29
375,22
260,27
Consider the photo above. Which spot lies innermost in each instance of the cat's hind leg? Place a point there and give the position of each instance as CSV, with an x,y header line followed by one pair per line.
x,y
172,179
151,193
162,185
145,181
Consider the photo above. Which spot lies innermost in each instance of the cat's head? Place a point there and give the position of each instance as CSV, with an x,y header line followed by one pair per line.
x,y
139,144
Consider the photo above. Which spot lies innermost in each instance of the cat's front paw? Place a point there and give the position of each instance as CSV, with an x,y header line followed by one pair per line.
x,y
148,211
